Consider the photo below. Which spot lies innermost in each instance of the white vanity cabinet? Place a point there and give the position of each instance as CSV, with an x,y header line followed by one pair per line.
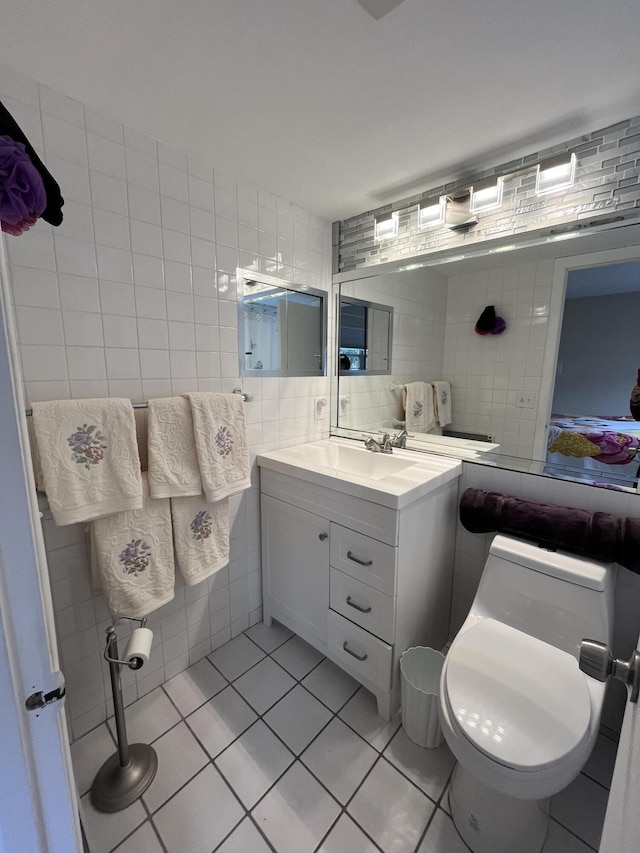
x,y
358,580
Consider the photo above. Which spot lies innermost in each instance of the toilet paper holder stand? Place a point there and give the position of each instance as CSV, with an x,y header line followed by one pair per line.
x,y
127,774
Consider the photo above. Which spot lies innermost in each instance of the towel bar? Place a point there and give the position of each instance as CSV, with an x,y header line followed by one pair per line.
x,y
246,397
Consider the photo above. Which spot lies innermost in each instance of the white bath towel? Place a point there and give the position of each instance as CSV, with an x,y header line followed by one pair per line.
x,y
442,402
173,462
418,407
89,457
221,443
132,557
200,536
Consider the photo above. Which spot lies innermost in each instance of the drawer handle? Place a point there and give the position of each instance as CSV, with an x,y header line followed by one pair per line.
x,y
355,559
353,654
357,606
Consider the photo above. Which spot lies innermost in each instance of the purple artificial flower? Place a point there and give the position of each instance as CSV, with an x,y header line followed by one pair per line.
x,y
22,193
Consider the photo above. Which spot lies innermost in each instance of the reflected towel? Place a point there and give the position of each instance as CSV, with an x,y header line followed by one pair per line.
x,y
89,457
200,536
221,443
597,535
132,558
442,402
173,461
418,407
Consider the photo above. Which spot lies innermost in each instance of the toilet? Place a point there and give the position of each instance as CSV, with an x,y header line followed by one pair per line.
x,y
517,712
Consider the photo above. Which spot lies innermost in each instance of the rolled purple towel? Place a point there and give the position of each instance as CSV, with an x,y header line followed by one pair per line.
x,y
597,535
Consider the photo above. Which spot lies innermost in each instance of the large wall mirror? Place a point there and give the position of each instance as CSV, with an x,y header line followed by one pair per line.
x,y
282,327
551,393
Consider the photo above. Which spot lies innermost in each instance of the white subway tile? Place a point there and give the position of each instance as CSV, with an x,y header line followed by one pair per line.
x,y
144,204
173,182
177,246
175,214
35,288
202,223
180,307
33,249
119,331
203,253
226,233
146,239
150,303
111,229
36,392
122,363
106,156
103,126
148,271
177,277
65,140
142,170
114,264
117,298
154,364
182,336
153,334
108,193
183,364
82,328
86,362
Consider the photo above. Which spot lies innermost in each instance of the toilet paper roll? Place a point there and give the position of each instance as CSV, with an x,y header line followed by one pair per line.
x,y
138,647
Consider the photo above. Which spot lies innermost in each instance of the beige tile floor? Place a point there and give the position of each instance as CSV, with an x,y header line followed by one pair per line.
x,y
267,746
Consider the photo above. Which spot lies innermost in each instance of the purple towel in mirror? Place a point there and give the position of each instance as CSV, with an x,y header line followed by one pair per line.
x,y
597,535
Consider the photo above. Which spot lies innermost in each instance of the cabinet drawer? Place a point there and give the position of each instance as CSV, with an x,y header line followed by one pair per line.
x,y
364,558
363,605
345,641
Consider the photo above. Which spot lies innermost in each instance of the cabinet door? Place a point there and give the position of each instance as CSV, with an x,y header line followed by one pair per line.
x,y
295,560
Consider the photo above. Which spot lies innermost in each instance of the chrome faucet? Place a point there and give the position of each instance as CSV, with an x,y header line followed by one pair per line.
x,y
400,439
382,446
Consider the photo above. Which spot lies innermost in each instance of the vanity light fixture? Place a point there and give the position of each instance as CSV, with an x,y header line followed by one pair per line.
x,y
458,214
555,174
431,211
486,195
386,225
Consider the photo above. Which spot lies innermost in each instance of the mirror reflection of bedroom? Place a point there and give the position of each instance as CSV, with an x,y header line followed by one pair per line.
x,y
597,370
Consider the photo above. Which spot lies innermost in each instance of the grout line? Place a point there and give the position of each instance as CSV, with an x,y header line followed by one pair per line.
x,y
571,832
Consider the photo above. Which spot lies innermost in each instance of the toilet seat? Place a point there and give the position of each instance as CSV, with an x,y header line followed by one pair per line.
x,y
521,702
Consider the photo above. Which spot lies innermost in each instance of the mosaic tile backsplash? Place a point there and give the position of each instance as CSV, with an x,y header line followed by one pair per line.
x,y
606,187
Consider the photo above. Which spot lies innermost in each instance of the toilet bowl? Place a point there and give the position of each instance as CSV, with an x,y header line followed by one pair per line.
x,y
515,709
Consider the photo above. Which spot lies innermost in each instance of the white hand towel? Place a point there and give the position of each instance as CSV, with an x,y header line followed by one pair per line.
x,y
173,462
132,557
200,536
442,402
418,407
89,457
221,443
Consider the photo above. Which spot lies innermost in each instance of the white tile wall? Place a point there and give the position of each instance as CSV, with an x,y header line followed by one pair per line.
x,y
134,295
487,371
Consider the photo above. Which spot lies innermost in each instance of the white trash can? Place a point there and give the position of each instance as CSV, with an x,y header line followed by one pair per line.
x,y
420,669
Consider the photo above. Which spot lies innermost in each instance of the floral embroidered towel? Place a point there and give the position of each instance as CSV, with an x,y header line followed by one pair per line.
x,y
200,536
442,402
89,457
418,407
221,443
132,558
173,461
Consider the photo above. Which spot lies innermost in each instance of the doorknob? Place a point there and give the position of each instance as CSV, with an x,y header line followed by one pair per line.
x,y
323,536
597,661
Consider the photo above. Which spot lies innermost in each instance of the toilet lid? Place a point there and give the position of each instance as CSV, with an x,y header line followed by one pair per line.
x,y
522,702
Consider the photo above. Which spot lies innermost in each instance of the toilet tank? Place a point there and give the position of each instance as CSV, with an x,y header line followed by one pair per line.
x,y
559,598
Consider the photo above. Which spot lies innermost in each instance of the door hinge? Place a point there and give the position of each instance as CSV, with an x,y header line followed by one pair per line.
x,y
39,699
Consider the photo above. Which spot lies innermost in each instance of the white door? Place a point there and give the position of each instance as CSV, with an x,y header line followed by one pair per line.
x,y
38,809
621,832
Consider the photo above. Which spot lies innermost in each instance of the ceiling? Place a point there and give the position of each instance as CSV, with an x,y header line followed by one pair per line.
x,y
320,103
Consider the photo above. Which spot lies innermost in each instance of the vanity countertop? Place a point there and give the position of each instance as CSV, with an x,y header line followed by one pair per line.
x,y
394,480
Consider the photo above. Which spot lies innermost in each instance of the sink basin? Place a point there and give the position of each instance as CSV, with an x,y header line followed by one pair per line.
x,y
347,466
355,460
